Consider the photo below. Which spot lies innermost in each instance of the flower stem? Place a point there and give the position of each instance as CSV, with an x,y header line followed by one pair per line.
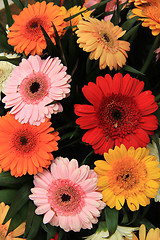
x,y
150,55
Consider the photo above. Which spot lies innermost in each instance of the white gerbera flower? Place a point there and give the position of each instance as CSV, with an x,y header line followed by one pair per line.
x,y
118,235
6,69
154,151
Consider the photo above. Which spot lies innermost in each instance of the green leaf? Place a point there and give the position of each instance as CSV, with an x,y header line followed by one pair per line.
x,y
8,13
51,48
18,202
130,33
4,46
19,4
36,223
51,230
58,43
18,218
60,234
133,70
129,23
7,195
111,218
30,216
3,30
6,180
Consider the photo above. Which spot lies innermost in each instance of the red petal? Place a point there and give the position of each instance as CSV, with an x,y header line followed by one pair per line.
x,y
83,110
149,122
93,94
117,83
105,84
146,102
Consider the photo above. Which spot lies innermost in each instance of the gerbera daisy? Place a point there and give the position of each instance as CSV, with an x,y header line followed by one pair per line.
x,y
26,34
33,85
72,11
131,175
150,15
120,113
119,234
101,39
153,150
153,234
4,235
67,196
6,69
25,148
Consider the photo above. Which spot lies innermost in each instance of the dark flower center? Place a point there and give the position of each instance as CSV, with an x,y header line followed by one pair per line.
x,y
34,25
106,37
118,115
34,87
23,140
65,197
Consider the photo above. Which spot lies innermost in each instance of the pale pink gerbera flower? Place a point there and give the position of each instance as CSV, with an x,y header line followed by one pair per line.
x,y
67,195
33,85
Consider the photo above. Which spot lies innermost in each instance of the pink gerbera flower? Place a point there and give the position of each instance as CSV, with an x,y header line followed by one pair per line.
x,y
67,195
33,85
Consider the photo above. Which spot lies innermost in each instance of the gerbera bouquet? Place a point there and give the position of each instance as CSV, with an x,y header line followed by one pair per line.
x,y
79,120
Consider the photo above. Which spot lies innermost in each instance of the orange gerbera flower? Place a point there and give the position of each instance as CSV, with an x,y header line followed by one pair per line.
x,y
149,13
25,148
26,34
100,38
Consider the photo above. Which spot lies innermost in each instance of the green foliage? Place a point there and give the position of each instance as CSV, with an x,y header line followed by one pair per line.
x,y
111,217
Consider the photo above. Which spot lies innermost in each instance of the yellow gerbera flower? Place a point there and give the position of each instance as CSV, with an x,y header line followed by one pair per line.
x,y
153,234
72,11
101,39
149,13
131,175
4,227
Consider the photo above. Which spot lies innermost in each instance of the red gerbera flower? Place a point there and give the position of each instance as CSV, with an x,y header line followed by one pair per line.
x,y
120,113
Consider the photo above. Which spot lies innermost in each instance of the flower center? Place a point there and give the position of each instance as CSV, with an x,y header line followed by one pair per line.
x,y
34,88
24,140
34,25
118,115
33,30
66,197
106,38
127,175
